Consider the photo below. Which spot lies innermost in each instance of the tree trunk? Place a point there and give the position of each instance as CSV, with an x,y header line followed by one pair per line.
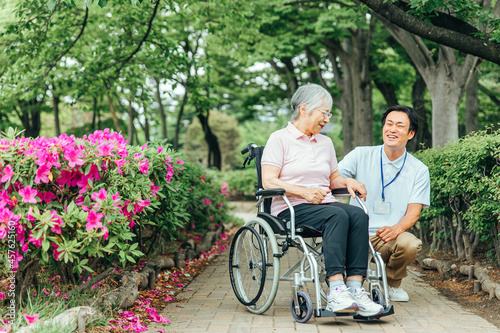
x,y
387,90
362,88
423,136
30,117
113,113
472,104
355,84
55,102
147,133
214,155
446,81
161,110
130,121
95,113
179,119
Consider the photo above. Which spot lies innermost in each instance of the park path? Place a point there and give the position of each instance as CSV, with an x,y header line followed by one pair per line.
x,y
210,306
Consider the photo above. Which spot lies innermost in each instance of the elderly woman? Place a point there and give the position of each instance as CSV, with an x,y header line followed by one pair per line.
x,y
302,161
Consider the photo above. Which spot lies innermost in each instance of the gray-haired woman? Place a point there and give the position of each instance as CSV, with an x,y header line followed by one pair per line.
x,y
302,161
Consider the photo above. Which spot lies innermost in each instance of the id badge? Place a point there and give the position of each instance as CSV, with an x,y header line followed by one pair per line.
x,y
382,208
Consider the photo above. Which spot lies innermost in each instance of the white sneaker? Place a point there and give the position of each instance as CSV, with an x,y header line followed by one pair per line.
x,y
341,300
398,294
367,307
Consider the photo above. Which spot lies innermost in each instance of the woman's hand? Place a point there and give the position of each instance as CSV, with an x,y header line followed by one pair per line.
x,y
314,195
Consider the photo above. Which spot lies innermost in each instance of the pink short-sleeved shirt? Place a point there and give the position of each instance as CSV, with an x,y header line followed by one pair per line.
x,y
303,162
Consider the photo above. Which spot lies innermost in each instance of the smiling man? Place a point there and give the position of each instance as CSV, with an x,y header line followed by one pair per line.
x,y
398,187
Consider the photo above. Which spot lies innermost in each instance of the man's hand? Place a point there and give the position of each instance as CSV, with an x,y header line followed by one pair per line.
x,y
353,185
314,195
389,233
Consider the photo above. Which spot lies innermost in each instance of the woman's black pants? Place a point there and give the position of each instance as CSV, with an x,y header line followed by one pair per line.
x,y
344,230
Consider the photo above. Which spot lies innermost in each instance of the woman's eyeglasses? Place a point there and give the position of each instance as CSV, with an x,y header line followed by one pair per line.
x,y
326,114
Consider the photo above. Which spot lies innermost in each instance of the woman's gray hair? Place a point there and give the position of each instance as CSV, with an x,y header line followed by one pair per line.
x,y
313,96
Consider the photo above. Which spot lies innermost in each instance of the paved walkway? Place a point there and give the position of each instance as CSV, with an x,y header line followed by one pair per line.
x,y
210,306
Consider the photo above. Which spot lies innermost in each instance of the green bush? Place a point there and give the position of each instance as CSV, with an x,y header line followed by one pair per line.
x,y
465,191
241,183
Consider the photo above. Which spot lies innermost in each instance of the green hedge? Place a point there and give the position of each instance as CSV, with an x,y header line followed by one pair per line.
x,y
465,195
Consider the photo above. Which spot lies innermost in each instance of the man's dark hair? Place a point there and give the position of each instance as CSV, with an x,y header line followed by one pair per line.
x,y
406,109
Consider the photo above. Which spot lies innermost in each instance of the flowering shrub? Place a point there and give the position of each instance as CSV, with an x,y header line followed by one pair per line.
x,y
207,198
71,199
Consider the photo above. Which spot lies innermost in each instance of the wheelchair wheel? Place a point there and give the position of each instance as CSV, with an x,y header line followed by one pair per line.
x,y
377,296
254,265
305,308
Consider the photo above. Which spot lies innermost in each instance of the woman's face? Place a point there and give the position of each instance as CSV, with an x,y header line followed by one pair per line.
x,y
316,120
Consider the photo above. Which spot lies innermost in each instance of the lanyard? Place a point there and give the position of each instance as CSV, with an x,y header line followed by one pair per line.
x,y
382,172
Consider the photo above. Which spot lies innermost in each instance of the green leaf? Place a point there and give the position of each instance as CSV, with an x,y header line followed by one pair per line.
x,y
102,3
87,268
45,245
52,4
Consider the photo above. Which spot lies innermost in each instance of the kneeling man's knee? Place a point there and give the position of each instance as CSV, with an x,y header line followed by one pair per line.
x,y
410,244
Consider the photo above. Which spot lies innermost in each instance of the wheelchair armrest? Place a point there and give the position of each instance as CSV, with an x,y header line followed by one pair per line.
x,y
340,192
270,193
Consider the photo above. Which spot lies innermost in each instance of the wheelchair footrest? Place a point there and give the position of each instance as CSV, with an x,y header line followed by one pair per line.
x,y
327,313
387,312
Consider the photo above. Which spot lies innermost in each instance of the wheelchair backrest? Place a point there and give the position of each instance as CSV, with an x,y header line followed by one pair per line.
x,y
255,153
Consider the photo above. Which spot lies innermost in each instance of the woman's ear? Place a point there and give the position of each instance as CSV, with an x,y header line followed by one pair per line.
x,y
303,110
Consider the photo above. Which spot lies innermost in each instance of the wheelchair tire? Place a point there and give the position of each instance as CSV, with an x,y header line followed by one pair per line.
x,y
254,265
377,296
305,308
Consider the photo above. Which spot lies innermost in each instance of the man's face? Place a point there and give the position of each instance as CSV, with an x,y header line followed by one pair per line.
x,y
396,129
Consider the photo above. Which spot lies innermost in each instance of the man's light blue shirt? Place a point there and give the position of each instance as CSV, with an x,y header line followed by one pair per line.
x,y
412,185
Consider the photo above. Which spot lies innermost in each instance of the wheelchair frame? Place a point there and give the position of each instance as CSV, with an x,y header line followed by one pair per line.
x,y
255,253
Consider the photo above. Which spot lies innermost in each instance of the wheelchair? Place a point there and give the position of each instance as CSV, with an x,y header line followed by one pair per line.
x,y
258,246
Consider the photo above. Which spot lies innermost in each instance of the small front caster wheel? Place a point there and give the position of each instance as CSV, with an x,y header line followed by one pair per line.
x,y
305,308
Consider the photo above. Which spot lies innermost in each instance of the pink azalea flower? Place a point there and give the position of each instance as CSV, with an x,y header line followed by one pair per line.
x,y
119,164
35,241
94,220
105,149
179,161
17,258
42,174
154,188
57,254
144,166
46,197
207,201
28,194
168,160
73,156
224,188
31,319
2,296
211,217
106,234
3,231
101,195
7,174
57,221
160,149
